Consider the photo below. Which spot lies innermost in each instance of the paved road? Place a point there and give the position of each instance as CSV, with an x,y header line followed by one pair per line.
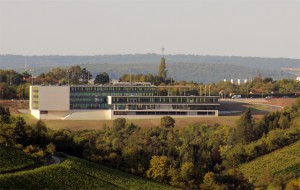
x,y
56,160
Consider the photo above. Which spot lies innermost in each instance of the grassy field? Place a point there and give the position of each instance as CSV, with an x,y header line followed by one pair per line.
x,y
75,173
283,102
281,161
180,122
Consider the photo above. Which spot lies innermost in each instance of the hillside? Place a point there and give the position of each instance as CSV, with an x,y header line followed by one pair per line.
x,y
18,61
11,159
75,173
181,67
282,161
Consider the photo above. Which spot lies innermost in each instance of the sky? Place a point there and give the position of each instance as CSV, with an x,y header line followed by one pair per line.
x,y
256,28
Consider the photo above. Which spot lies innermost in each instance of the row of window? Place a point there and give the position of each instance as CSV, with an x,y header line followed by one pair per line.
x,y
103,94
88,106
90,100
162,113
163,100
112,88
158,107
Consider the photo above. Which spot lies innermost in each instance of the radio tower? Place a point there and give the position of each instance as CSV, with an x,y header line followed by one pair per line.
x,y
162,51
25,65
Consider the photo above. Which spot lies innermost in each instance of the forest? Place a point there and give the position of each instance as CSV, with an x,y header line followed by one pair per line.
x,y
197,156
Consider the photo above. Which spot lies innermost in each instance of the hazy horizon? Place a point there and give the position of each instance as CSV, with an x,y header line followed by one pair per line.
x,y
91,55
243,28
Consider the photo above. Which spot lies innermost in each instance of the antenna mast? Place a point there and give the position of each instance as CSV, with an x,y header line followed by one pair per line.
x,y
162,51
25,65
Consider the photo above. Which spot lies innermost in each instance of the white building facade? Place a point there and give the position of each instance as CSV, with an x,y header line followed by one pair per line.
x,y
94,102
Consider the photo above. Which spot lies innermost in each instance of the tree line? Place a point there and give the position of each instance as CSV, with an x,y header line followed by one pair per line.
x,y
16,85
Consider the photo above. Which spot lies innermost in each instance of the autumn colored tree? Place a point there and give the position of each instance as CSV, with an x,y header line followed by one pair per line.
x,y
159,167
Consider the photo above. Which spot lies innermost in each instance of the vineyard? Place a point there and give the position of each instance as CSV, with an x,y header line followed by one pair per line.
x,y
282,161
11,159
74,173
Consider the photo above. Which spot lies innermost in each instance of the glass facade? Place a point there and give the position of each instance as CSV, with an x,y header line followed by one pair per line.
x,y
95,97
158,107
165,100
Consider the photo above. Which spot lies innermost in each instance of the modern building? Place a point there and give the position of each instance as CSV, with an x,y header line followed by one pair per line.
x,y
137,100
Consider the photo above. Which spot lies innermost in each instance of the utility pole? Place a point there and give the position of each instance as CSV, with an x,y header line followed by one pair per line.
x,y
200,90
10,77
209,90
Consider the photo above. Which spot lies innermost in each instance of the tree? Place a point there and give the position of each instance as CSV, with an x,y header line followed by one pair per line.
x,y
187,172
293,184
159,167
39,134
75,74
119,124
102,78
23,91
50,148
20,133
162,72
4,115
167,122
245,127
210,182
85,76
26,74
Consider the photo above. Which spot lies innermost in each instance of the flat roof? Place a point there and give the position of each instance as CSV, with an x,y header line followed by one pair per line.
x,y
117,86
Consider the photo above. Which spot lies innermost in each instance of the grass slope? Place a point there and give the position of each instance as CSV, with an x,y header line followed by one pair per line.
x,y
285,160
74,173
11,159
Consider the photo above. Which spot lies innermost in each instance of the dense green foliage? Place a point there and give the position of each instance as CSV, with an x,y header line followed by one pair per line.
x,y
265,169
74,173
162,72
245,128
102,78
12,159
